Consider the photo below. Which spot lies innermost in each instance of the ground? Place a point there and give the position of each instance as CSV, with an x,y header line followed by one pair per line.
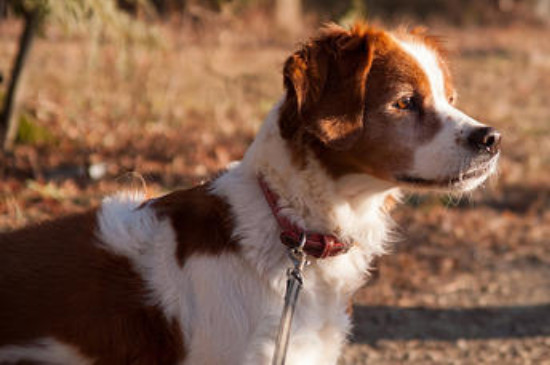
x,y
468,281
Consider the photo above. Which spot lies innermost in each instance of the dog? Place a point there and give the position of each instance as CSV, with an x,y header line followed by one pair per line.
x,y
198,276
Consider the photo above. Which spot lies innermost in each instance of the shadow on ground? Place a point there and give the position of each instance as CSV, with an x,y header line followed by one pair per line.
x,y
393,323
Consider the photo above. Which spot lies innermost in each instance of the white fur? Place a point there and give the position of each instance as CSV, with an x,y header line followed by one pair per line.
x,y
443,157
47,351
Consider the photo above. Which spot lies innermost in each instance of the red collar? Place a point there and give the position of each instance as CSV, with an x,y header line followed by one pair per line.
x,y
317,245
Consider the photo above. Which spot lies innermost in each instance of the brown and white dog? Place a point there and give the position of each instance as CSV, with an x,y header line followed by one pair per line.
x,y
198,276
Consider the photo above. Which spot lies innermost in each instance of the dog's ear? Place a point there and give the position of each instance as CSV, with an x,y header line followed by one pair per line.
x,y
325,85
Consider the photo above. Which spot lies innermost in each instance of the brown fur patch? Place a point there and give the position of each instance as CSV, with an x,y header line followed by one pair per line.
x,y
202,222
55,281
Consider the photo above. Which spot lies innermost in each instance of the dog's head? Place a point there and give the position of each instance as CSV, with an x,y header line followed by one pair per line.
x,y
368,102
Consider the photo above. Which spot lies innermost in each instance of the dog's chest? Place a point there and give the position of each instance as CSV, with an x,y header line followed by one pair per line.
x,y
321,322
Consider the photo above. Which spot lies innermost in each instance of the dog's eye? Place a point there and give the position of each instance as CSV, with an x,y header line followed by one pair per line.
x,y
406,103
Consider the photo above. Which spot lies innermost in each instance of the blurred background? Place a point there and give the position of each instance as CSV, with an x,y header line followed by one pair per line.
x,y
99,95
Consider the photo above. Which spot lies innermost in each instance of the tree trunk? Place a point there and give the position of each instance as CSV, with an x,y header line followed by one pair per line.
x,y
8,124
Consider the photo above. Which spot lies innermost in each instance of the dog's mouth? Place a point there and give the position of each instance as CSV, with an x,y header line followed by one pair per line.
x,y
464,180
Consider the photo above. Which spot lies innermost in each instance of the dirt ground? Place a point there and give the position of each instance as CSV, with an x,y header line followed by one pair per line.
x,y
468,281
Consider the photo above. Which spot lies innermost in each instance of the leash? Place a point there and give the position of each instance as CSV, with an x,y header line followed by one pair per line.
x,y
294,284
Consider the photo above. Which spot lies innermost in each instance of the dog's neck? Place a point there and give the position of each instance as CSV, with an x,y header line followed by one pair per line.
x,y
351,209
312,199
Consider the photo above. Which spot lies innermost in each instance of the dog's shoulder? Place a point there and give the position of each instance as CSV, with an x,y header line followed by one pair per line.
x,y
202,221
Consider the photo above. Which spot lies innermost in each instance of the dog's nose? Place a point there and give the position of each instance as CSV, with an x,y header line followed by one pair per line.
x,y
485,139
